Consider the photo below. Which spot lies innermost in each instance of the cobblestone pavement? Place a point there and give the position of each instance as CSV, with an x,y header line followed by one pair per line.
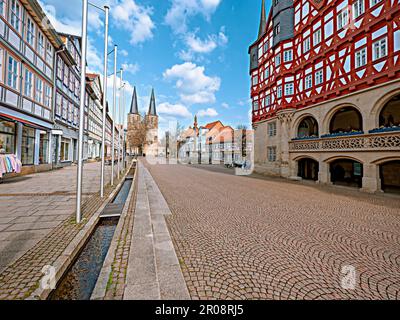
x,y
31,206
246,238
21,277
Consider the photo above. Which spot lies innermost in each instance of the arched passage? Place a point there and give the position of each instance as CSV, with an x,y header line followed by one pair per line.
x,y
346,172
308,127
389,116
346,120
308,169
390,176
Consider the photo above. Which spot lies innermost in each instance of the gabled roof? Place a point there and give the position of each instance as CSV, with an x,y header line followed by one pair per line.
x,y
211,125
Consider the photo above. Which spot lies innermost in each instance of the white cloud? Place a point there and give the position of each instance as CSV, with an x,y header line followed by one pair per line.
x,y
225,105
194,86
136,19
131,68
181,10
201,46
210,112
177,110
123,52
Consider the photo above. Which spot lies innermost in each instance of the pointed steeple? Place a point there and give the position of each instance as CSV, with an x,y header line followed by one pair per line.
x,y
263,21
134,104
195,121
152,106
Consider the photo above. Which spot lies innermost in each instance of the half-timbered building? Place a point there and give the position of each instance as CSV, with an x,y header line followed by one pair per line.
x,y
325,89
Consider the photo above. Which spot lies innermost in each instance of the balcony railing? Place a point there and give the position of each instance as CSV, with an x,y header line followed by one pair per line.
x,y
385,141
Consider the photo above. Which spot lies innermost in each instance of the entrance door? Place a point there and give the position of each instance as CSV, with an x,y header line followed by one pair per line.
x,y
308,169
347,173
390,176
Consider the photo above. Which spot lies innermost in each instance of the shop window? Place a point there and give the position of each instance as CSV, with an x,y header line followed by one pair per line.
x,y
28,146
44,147
65,143
7,136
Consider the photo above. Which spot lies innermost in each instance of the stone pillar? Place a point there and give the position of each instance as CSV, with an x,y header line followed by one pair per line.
x,y
324,175
18,150
371,181
37,147
285,117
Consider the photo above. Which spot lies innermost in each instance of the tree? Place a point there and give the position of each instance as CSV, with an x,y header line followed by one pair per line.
x,y
138,136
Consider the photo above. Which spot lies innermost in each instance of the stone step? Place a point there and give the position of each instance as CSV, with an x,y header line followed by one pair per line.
x,y
153,268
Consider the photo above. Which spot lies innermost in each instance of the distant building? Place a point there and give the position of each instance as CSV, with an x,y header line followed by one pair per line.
x,y
142,133
325,89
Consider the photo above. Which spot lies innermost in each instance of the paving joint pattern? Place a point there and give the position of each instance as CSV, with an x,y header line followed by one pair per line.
x,y
21,278
246,238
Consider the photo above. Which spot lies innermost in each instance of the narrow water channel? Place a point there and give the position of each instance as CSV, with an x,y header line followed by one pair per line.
x,y
80,280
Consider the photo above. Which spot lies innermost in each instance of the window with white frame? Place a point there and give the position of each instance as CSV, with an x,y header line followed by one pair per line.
x,y
272,129
277,29
13,73
306,45
358,8
39,90
60,67
317,37
308,81
342,19
266,46
319,77
255,105
49,53
30,32
47,96
58,105
271,153
1,64
279,91
2,7
40,45
28,81
278,59
288,55
266,73
268,100
373,2
15,14
289,89
379,49
255,80
361,57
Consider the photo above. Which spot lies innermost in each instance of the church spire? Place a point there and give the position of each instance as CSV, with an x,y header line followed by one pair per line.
x,y
134,103
263,21
195,121
152,106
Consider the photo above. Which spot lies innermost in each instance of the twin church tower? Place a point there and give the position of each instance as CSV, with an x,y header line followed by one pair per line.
x,y
142,135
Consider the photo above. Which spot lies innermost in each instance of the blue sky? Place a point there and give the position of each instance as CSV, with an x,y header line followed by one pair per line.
x,y
193,52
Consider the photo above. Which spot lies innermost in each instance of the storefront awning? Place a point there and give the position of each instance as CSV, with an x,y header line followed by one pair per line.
x,y
31,124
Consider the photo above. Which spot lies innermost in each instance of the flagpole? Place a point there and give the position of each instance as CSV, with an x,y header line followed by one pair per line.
x,y
103,137
81,112
114,113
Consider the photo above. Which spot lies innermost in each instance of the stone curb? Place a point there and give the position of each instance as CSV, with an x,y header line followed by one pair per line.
x,y
100,289
64,261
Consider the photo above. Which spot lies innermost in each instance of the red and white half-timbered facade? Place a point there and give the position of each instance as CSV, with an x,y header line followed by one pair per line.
x,y
325,92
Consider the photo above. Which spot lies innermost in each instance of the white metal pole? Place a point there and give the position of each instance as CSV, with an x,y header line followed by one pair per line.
x,y
123,130
114,114
81,112
119,131
103,136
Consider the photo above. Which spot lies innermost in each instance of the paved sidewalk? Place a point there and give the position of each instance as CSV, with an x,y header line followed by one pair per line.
x,y
32,206
153,270
245,238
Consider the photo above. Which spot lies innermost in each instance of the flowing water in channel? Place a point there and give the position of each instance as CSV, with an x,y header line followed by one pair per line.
x,y
80,280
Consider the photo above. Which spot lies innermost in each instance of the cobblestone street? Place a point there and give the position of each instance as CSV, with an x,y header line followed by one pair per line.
x,y
32,206
249,238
